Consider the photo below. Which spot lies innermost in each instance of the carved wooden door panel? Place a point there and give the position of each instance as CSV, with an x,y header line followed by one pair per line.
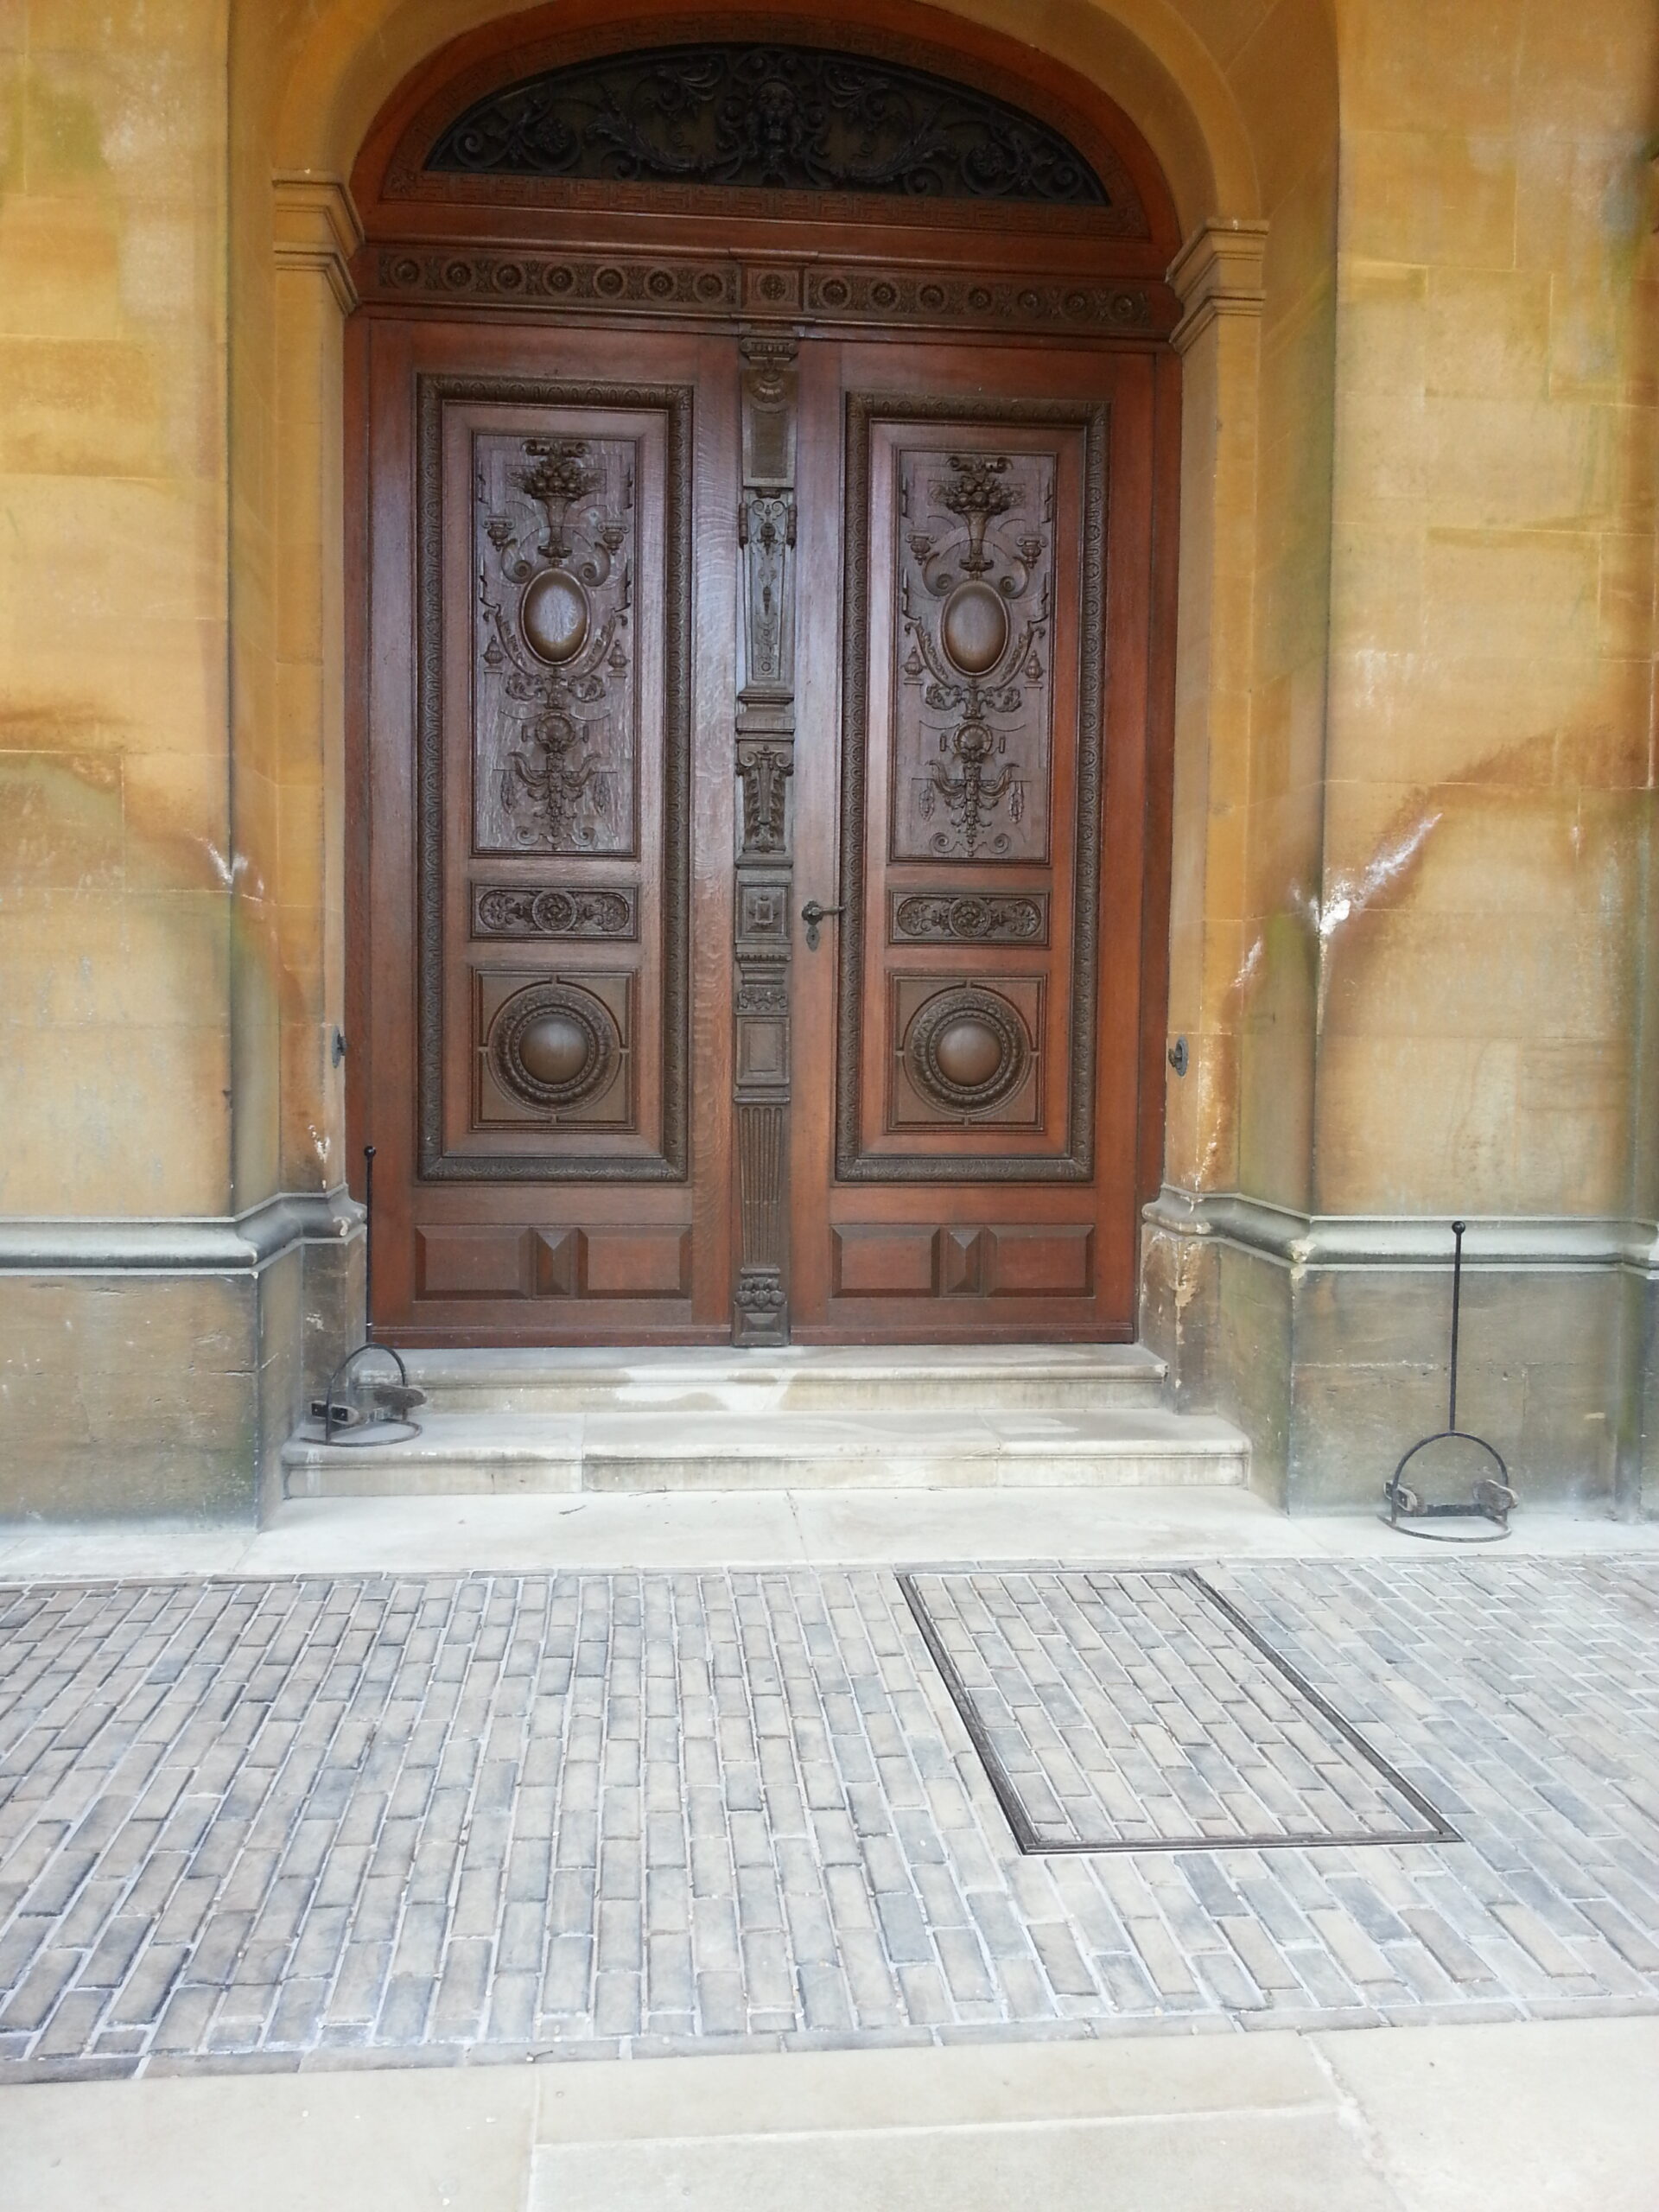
x,y
533,714
964,1136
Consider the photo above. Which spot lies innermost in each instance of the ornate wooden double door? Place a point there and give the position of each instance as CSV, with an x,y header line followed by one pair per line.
x,y
752,936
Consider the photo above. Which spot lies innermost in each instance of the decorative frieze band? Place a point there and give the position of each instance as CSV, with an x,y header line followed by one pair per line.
x,y
831,292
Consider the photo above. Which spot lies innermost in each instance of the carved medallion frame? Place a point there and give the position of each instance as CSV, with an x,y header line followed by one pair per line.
x,y
673,403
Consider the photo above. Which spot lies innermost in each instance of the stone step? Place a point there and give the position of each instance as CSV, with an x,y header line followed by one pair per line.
x,y
806,1378
968,1447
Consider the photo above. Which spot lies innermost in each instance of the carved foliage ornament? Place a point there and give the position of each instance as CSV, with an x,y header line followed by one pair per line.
x,y
555,554
779,118
975,580
765,771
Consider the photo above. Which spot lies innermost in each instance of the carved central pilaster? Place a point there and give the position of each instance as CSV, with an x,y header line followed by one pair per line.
x,y
766,764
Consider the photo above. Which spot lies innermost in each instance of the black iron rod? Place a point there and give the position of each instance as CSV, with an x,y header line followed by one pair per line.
x,y
368,1254
1457,1228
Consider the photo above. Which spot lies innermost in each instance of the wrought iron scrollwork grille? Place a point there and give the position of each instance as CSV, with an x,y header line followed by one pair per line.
x,y
779,118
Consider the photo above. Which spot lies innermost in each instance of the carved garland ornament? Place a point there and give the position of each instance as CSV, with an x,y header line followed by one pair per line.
x,y
978,648
556,657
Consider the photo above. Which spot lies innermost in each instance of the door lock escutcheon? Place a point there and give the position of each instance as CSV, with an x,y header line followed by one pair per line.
x,y
814,916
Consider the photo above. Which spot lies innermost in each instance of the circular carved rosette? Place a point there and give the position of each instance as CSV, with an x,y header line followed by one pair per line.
x,y
967,1052
554,1045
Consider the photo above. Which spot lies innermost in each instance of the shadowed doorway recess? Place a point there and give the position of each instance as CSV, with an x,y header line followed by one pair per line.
x,y
764,484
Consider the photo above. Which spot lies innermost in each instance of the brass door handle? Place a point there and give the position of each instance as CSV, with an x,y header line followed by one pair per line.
x,y
813,914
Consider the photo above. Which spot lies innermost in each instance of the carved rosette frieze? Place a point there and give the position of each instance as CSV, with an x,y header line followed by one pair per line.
x,y
764,736
969,918
649,286
505,909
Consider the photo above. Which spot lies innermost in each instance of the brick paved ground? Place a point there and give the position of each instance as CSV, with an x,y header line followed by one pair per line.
x,y
332,1820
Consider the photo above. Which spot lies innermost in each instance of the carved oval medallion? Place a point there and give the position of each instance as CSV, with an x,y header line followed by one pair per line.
x,y
553,614
973,628
967,1050
554,1045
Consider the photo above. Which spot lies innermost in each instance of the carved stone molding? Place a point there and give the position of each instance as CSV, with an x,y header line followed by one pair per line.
x,y
316,227
217,1244
1554,1244
1218,272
